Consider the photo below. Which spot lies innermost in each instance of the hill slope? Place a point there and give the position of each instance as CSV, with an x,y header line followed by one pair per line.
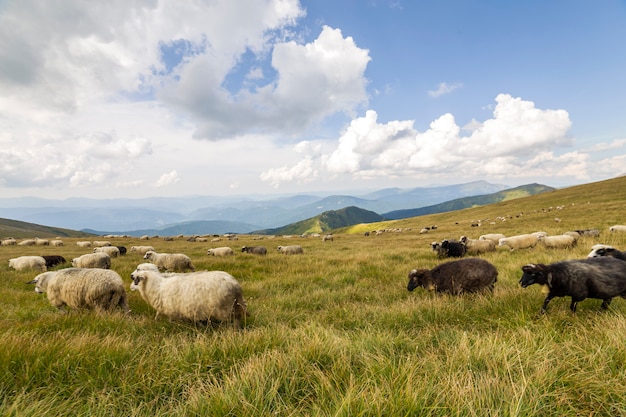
x,y
467,202
18,229
326,221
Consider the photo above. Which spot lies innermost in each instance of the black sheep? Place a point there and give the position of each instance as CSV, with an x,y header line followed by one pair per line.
x,y
453,248
257,250
602,278
122,250
53,260
456,277
604,250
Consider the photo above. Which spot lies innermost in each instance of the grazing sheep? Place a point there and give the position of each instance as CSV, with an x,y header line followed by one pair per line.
x,y
101,243
53,260
221,251
495,237
328,237
601,278
56,242
8,242
177,262
197,297
141,249
27,242
79,288
42,242
290,250
477,246
558,241
519,242
92,260
588,232
606,250
617,228
453,248
112,251
257,250
83,244
456,277
23,263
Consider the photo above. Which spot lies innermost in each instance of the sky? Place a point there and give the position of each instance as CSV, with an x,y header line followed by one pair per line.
x,y
133,99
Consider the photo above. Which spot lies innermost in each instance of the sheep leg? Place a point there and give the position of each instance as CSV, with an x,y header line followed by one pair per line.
x,y
606,302
572,306
545,304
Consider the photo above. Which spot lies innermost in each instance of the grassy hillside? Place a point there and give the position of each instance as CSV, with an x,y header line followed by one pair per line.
x,y
466,202
18,229
326,221
334,331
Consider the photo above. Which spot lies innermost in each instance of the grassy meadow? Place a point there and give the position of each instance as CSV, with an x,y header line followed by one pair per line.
x,y
334,332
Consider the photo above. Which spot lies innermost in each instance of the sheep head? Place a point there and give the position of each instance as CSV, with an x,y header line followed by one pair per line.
x,y
420,278
535,274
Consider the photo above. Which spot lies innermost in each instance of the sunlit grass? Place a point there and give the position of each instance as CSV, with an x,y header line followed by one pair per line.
x,y
330,332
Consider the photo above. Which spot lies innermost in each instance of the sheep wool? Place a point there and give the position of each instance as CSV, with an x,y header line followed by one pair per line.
x,y
196,297
83,288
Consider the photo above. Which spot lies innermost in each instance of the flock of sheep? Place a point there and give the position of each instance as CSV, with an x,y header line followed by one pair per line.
x,y
602,275
170,284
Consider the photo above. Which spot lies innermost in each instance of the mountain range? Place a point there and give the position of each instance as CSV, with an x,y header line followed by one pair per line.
x,y
217,215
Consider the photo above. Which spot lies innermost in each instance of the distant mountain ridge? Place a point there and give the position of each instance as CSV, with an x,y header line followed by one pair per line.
x,y
326,221
467,202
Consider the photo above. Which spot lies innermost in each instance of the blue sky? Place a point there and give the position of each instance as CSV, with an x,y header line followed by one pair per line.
x,y
165,98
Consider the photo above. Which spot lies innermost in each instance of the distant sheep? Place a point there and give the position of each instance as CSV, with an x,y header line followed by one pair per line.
x,y
8,242
23,263
221,251
26,242
519,242
328,237
141,249
605,250
601,278
456,277
588,232
495,237
101,243
122,250
257,250
176,262
196,297
477,246
83,244
558,241
290,250
83,288
92,260
42,242
618,228
112,251
53,260
56,242
453,248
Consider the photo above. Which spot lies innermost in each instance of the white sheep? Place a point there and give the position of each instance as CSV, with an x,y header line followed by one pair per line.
x,y
27,242
100,243
141,249
495,237
8,242
221,251
290,250
519,241
100,289
617,228
196,297
42,242
23,263
558,241
56,242
83,244
92,260
112,251
177,262
477,246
